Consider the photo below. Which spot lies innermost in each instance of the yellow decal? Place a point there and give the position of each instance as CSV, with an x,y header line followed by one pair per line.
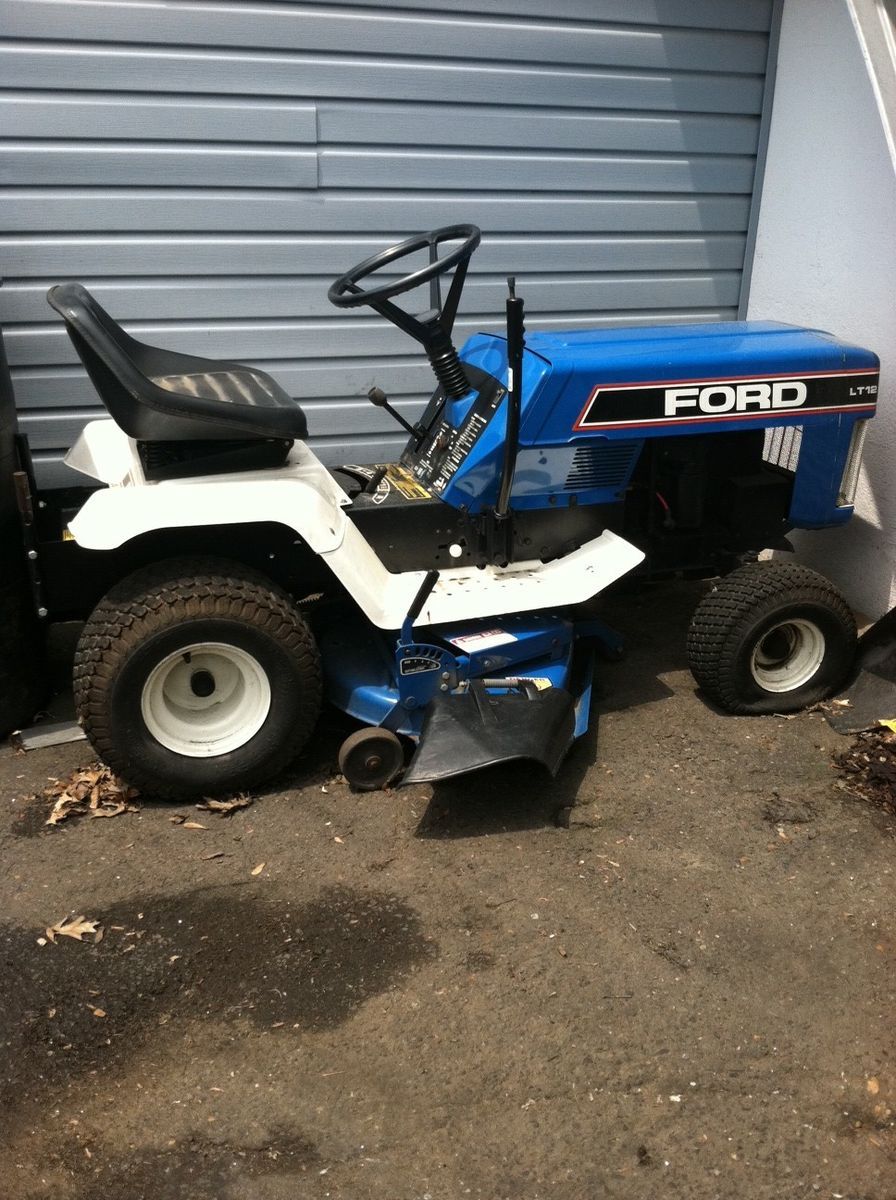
x,y
405,484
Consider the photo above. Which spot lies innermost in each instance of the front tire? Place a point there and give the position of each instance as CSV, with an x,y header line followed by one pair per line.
x,y
771,637
194,677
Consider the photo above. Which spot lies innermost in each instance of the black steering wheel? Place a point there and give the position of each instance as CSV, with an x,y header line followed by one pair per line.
x,y
345,293
432,328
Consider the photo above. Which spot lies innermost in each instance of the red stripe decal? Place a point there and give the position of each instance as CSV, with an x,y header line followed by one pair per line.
x,y
766,416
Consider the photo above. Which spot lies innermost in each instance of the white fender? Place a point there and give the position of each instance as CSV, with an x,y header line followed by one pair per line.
x,y
303,496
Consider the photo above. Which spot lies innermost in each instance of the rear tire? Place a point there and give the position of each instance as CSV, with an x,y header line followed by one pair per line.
x,y
771,637
194,677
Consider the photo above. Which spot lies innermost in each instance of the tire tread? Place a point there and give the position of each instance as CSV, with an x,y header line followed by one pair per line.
x,y
144,603
736,600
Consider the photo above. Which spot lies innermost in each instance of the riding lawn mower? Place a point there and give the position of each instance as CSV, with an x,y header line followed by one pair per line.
x,y
230,581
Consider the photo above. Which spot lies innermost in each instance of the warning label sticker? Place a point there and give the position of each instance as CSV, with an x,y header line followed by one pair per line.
x,y
486,640
405,483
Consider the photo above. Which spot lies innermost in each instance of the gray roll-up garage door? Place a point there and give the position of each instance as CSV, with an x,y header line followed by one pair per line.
x,y
207,168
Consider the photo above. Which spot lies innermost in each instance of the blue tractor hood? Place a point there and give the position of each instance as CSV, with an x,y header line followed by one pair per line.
x,y
619,388
600,380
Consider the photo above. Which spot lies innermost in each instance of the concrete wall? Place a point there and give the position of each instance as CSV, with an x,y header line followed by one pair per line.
x,y
825,250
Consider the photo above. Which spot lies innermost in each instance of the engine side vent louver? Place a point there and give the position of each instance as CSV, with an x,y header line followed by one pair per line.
x,y
782,446
601,464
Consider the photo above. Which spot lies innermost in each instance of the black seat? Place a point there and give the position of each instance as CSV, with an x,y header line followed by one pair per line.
x,y
161,396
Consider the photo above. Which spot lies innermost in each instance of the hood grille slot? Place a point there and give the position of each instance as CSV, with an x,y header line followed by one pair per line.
x,y
601,464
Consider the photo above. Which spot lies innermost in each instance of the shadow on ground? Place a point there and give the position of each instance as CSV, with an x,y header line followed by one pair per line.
x,y
66,1009
510,796
521,795
198,1166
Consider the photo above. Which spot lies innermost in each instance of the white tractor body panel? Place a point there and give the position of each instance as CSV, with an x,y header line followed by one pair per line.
x,y
464,593
304,496
468,592
301,494
105,452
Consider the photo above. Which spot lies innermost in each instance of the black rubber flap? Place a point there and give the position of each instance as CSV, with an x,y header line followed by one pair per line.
x,y
871,696
473,729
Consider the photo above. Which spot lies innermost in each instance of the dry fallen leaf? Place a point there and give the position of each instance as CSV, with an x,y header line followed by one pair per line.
x,y
93,790
73,927
225,807
258,870
114,811
64,807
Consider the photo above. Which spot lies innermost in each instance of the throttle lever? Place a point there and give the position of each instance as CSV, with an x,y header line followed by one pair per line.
x,y
377,396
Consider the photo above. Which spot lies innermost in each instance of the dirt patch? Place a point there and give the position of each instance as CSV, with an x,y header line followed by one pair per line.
x,y
30,820
73,1007
789,810
686,992
193,1170
869,768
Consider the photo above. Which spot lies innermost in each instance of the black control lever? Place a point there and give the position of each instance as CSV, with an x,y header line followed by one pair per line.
x,y
374,481
377,396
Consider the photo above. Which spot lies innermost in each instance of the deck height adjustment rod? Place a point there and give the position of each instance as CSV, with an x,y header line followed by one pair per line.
x,y
430,579
516,342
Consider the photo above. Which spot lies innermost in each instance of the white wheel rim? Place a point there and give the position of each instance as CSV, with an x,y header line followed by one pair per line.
x,y
206,699
788,655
